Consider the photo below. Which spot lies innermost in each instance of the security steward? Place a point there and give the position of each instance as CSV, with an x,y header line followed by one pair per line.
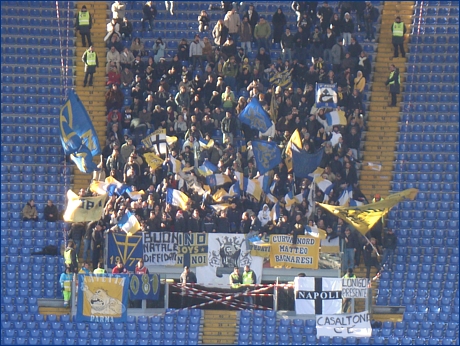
x,y
84,22
70,257
394,82
91,62
100,269
398,29
347,301
248,278
235,278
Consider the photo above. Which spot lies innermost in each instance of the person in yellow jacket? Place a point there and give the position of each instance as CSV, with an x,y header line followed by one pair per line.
x,y
70,257
100,269
83,25
91,62
235,278
398,29
394,82
66,283
248,278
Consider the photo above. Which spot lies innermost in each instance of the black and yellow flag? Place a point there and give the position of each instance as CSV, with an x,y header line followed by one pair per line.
x,y
364,217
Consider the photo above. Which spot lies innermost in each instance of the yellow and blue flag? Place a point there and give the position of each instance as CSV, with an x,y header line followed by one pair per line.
x,y
204,144
129,224
255,116
267,155
78,136
336,118
207,168
177,198
153,160
217,179
281,79
295,143
252,186
305,163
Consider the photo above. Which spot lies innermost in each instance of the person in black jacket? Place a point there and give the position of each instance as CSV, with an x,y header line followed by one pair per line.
x,y
389,247
370,257
394,82
349,250
195,224
278,21
253,17
149,12
77,231
51,212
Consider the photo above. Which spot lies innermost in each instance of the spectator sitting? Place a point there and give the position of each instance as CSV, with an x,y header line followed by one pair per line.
x,y
51,213
29,212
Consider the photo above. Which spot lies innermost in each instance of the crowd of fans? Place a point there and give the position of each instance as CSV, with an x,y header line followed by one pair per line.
x,y
199,93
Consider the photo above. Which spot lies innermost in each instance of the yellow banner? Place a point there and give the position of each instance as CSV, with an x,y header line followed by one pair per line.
x,y
260,250
153,160
304,254
82,209
364,217
297,141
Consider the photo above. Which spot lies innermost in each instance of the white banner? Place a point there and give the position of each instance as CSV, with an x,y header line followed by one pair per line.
x,y
226,251
160,248
345,325
318,296
354,288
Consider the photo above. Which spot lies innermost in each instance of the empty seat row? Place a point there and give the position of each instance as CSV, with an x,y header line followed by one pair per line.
x,y
443,11
436,21
29,178
431,98
31,120
430,135
28,169
435,129
429,107
30,139
433,78
430,117
439,39
44,23
34,81
421,205
31,130
426,167
30,159
432,88
44,71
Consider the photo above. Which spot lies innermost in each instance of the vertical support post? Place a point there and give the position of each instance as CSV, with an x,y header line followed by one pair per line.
x,y
368,301
166,295
73,295
275,295
352,305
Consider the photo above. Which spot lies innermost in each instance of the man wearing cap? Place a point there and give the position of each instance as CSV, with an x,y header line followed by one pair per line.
x,y
91,62
398,29
83,24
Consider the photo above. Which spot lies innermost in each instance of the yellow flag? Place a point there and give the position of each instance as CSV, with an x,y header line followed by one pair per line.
x,y
83,209
364,217
297,141
273,108
221,193
153,160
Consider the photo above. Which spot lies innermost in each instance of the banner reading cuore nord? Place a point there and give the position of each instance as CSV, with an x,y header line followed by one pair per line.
x,y
102,298
304,255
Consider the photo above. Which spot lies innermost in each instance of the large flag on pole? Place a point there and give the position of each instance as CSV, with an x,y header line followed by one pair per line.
x,y
295,143
267,155
129,223
177,198
305,163
255,116
364,217
78,136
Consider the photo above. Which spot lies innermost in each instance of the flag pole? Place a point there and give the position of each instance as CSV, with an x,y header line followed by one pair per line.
x,y
373,247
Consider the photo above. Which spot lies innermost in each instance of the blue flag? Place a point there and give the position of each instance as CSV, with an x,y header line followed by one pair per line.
x,y
326,95
267,155
128,249
144,286
255,116
305,163
78,136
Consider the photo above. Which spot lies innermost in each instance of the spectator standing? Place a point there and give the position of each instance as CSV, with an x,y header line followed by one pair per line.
x,y
337,55
279,22
389,247
51,212
119,268
203,21
253,17
348,27
325,14
228,127
287,45
349,249
248,278
159,50
235,279
83,25
149,13
96,244
394,82
187,277
220,33
87,252
359,82
91,62
246,35
66,283
262,33
118,11
347,301
112,28
398,29
126,29
77,231
232,21
29,212
196,52
370,257
370,15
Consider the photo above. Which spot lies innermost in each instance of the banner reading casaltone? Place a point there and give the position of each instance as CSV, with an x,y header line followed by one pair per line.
x,y
357,325
304,255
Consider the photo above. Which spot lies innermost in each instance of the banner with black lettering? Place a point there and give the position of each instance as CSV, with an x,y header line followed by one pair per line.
x,y
225,251
317,296
192,250
160,248
354,288
304,254
102,298
83,209
144,286
344,325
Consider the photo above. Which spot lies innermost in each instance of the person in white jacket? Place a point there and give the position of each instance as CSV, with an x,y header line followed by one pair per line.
x,y
113,57
232,21
196,51
264,215
118,11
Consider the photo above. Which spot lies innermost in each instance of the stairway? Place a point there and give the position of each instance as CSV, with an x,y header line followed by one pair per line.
x,y
93,97
219,327
383,120
48,310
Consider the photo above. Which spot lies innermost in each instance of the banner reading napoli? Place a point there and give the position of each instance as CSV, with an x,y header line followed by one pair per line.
x,y
78,136
304,254
364,217
144,286
226,251
305,163
82,209
326,95
255,116
267,155
102,298
122,247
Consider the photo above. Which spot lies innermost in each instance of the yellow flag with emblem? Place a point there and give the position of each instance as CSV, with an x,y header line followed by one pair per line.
x,y
364,217
297,141
153,160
